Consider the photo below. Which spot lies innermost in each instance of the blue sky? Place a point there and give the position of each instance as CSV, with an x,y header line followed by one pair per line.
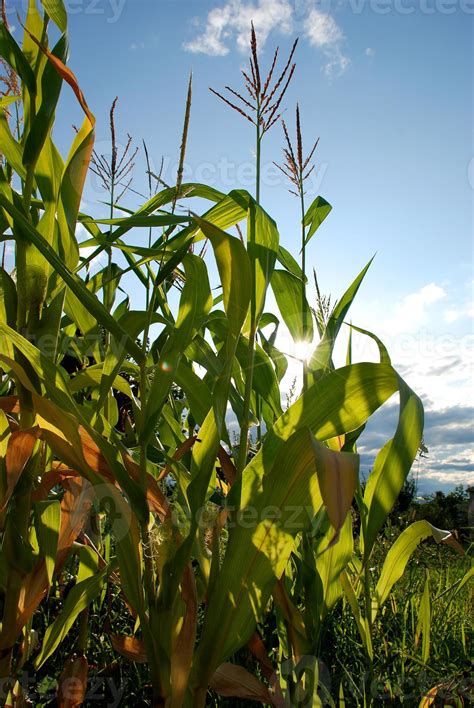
x,y
387,85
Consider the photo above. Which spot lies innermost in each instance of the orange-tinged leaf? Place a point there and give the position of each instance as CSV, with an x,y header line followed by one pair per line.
x,y
10,404
257,647
337,481
442,694
227,465
72,686
68,76
131,648
234,681
75,447
20,447
182,649
294,620
179,454
75,506
259,651
51,478
74,512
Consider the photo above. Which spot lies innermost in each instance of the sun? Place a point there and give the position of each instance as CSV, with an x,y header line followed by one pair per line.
x,y
303,350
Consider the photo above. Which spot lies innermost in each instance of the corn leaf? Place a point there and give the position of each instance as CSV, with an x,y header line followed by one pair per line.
x,y
195,303
262,539
72,281
230,680
392,465
321,357
57,12
79,597
51,89
287,290
339,402
72,684
400,553
315,215
47,524
11,52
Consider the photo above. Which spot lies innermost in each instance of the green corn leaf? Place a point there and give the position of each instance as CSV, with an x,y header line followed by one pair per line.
x,y
51,88
143,221
236,206
198,395
164,197
88,563
234,271
235,274
315,215
280,362
52,376
72,184
200,352
195,303
57,12
399,555
331,560
47,524
292,266
79,597
336,404
392,465
72,281
321,357
384,355
263,252
127,538
287,290
92,377
8,100
8,309
262,538
264,378
134,323
11,149
11,52
229,210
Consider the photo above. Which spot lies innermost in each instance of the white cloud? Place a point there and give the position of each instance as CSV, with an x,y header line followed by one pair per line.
x,y
455,314
323,32
230,24
137,45
410,313
369,52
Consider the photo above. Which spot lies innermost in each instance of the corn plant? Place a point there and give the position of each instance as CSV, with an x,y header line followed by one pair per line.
x,y
117,458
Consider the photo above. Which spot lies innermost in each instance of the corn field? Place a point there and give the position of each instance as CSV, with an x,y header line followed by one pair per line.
x,y
164,514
